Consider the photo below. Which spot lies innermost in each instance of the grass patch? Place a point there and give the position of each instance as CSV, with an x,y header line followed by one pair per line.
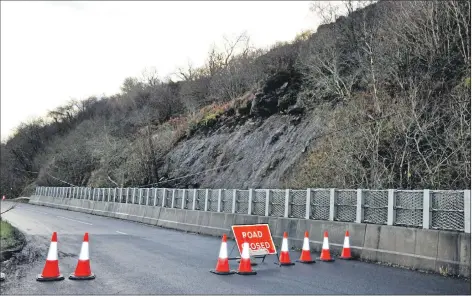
x,y
8,236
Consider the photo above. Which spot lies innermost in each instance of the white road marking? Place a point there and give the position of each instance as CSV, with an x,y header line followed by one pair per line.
x,y
74,220
120,232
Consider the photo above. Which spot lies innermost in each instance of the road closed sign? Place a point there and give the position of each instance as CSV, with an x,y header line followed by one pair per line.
x,y
258,236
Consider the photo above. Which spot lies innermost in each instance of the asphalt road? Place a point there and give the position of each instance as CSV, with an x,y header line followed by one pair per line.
x,y
134,258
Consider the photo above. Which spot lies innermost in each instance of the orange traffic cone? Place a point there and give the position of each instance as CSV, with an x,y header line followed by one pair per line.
x,y
83,271
325,254
245,262
222,266
284,259
305,257
51,268
346,253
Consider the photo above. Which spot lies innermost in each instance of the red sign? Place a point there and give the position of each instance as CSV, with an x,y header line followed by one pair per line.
x,y
258,236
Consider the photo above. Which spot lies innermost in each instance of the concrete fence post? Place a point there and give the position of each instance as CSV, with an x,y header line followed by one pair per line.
x,y
391,207
308,203
173,199
133,195
426,209
207,192
127,195
467,211
115,194
140,201
267,202
287,203
194,202
155,196
332,204
249,201
184,198
233,206
109,195
164,197
360,206
147,196
219,200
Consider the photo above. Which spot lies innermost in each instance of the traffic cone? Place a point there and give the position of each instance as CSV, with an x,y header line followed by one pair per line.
x,y
305,257
325,254
51,268
83,271
346,252
222,266
284,259
245,262
3,197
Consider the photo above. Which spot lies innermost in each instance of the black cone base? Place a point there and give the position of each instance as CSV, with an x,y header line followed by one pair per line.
x,y
40,278
81,278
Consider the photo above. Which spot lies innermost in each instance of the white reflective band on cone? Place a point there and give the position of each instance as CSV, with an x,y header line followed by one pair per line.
x,y
245,254
346,242
306,244
284,245
223,251
84,251
52,253
325,243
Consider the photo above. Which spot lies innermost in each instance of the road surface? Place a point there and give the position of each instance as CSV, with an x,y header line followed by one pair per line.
x,y
134,258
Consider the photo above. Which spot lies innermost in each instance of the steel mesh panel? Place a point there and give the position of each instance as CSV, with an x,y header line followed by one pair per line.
x,y
409,208
277,203
297,203
258,202
167,198
213,200
189,199
320,204
375,206
242,198
447,210
200,204
178,196
346,203
160,196
227,201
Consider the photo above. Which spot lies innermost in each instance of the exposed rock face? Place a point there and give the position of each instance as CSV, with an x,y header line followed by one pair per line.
x,y
252,149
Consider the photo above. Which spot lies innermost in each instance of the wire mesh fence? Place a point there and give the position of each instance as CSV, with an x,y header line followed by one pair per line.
x,y
320,204
277,203
446,207
227,201
346,205
375,206
409,208
242,199
297,203
258,202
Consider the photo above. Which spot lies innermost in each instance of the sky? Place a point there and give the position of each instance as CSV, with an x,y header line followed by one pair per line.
x,y
54,51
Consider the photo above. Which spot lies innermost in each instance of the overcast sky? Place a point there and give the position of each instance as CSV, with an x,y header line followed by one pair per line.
x,y
54,51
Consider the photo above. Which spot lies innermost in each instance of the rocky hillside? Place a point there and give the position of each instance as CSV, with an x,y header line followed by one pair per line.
x,y
379,98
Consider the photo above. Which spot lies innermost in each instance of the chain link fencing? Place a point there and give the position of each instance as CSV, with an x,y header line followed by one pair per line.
x,y
320,204
242,199
375,206
346,205
258,202
446,211
297,204
409,208
277,203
